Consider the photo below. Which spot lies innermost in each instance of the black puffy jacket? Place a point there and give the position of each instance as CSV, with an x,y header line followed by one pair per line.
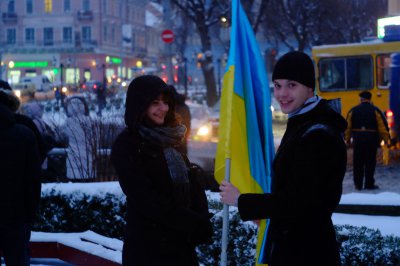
x,y
19,171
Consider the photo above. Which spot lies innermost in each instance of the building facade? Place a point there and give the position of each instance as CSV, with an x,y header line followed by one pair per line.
x,y
394,7
72,41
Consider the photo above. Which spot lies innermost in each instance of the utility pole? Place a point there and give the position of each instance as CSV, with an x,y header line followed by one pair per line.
x,y
168,46
1,66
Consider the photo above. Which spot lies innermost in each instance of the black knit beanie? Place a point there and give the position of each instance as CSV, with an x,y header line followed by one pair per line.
x,y
141,92
296,66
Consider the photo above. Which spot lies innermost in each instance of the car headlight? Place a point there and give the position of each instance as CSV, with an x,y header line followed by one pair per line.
x,y
204,131
64,89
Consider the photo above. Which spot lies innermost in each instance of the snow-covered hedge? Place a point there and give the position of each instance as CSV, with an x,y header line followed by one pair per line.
x,y
100,207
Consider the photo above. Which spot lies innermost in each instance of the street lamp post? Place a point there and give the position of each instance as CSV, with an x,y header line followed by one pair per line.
x,y
1,66
185,77
219,76
61,74
103,69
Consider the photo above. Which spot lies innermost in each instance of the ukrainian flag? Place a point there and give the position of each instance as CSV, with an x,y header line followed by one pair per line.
x,y
245,130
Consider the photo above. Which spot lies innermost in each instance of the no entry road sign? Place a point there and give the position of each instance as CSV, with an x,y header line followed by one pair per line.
x,y
167,36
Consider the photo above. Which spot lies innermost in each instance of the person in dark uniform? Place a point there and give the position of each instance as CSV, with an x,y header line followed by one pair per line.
x,y
308,171
367,126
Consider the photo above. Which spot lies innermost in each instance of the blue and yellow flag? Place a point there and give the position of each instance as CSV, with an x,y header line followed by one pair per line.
x,y
245,130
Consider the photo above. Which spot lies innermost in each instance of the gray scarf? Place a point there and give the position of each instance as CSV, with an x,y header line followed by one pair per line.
x,y
169,138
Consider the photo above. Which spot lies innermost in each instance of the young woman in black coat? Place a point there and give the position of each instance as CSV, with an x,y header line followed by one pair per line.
x,y
167,209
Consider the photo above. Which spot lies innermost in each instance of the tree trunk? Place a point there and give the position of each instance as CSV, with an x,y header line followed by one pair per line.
x,y
209,80
207,65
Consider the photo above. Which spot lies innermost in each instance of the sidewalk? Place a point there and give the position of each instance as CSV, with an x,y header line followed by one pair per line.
x,y
387,177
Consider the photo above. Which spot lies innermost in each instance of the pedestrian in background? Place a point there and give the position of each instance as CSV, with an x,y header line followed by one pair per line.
x,y
367,126
308,170
167,213
19,182
184,112
101,98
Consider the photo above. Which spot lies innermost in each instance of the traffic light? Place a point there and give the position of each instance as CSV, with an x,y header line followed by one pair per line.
x,y
200,59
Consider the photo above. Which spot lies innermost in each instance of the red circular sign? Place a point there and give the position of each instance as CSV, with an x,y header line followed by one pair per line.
x,y
167,36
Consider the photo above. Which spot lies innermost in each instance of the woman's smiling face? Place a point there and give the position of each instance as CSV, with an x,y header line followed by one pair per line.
x,y
157,110
291,95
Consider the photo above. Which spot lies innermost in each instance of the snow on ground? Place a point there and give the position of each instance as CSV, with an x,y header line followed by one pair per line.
x,y
90,189
383,198
90,242
388,225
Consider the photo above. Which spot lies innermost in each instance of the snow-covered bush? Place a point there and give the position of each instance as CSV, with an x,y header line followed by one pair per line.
x,y
104,214
242,241
76,213
361,246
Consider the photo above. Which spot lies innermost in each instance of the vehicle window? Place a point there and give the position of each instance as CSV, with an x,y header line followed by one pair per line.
x,y
347,73
383,62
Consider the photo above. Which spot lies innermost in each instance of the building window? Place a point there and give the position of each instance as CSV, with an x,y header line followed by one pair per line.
x,y
48,6
105,33
67,5
86,5
104,6
30,35
11,36
67,35
29,6
48,36
11,6
86,34
113,35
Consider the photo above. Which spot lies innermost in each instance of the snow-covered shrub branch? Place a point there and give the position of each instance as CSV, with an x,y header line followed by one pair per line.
x,y
80,209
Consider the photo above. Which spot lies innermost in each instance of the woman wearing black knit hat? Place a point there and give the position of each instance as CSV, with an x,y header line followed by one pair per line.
x,y
308,171
167,209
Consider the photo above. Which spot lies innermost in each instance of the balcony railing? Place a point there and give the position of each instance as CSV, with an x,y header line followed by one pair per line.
x,y
85,15
88,43
9,17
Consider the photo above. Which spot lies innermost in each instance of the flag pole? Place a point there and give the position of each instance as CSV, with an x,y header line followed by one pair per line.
x,y
225,219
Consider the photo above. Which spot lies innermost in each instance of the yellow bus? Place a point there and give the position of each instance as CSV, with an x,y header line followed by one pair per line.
x,y
344,70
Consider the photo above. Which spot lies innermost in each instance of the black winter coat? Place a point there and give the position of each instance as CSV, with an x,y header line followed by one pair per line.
x,y
309,167
19,171
158,232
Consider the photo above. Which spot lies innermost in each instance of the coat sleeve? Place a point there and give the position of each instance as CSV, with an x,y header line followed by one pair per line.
x,y
148,203
313,186
199,204
347,133
382,124
32,177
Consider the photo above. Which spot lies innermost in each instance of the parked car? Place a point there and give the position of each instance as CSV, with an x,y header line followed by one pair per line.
x,y
201,123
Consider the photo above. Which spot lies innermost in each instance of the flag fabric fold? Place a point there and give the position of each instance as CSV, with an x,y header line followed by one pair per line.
x,y
245,130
